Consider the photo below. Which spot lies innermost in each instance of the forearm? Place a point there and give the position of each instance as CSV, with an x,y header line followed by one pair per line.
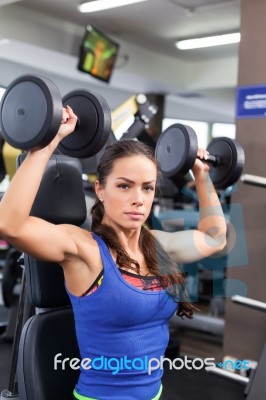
x,y
17,202
211,222
210,236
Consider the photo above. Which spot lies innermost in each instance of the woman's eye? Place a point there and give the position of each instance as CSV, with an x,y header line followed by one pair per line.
x,y
149,188
123,186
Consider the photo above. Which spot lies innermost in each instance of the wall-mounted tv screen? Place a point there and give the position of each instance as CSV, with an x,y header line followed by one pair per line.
x,y
98,53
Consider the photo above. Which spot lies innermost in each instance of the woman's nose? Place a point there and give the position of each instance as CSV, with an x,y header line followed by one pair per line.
x,y
137,203
137,199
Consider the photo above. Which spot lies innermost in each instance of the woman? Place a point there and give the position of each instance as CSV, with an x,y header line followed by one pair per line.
x,y
120,278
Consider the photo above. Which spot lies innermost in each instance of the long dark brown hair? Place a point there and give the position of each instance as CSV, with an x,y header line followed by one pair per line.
x,y
158,261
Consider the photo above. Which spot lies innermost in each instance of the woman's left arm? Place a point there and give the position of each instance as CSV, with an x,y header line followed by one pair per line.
x,y
210,235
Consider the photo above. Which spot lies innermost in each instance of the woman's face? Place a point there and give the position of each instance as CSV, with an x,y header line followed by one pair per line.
x,y
129,192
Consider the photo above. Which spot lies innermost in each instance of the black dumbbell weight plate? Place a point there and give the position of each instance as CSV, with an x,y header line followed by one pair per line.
x,y
176,150
89,165
93,127
30,112
231,158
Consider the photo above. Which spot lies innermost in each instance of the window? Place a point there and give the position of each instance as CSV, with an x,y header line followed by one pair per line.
x,y
201,129
227,130
2,91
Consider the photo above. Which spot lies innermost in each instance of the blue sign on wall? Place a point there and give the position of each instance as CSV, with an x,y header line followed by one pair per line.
x,y
251,102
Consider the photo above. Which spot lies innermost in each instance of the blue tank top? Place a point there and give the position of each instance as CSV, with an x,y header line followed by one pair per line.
x,y
120,328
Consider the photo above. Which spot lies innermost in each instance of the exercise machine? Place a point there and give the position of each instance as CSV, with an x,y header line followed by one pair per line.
x,y
255,384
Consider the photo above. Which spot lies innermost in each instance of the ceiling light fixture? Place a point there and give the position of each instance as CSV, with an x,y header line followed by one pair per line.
x,y
99,5
209,41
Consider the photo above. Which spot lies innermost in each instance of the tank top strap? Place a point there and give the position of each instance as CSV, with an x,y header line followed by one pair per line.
x,y
107,259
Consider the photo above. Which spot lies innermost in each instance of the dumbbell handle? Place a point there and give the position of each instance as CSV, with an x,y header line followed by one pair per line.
x,y
213,160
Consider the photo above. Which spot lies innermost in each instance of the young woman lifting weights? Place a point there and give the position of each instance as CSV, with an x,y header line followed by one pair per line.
x,y
122,279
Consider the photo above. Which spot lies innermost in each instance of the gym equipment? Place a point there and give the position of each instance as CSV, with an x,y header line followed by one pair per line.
x,y
24,312
176,151
253,180
138,106
256,384
200,323
93,128
11,276
31,113
2,164
50,328
10,155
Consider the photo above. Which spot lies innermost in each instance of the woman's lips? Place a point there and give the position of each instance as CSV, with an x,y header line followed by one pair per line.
x,y
134,214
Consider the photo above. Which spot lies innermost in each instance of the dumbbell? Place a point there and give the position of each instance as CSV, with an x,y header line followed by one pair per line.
x,y
31,113
176,151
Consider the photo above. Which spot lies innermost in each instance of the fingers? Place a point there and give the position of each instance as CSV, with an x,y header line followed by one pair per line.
x,y
65,116
202,153
68,122
68,115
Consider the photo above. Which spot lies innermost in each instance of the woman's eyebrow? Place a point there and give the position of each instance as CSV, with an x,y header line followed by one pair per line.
x,y
130,181
125,179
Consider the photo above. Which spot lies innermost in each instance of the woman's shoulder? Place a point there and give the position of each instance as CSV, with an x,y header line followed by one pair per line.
x,y
87,246
80,235
157,234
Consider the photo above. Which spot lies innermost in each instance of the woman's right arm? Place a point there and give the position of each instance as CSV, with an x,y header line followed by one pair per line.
x,y
35,236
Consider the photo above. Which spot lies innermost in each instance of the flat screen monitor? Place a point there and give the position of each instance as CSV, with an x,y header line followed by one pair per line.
x,y
98,53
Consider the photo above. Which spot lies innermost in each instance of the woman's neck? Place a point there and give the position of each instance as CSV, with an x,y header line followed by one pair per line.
x,y
129,238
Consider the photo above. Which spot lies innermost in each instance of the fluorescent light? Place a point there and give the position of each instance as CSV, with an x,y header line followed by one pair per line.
x,y
208,41
99,5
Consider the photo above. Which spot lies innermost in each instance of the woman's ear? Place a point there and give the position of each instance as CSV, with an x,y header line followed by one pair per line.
x,y
98,190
